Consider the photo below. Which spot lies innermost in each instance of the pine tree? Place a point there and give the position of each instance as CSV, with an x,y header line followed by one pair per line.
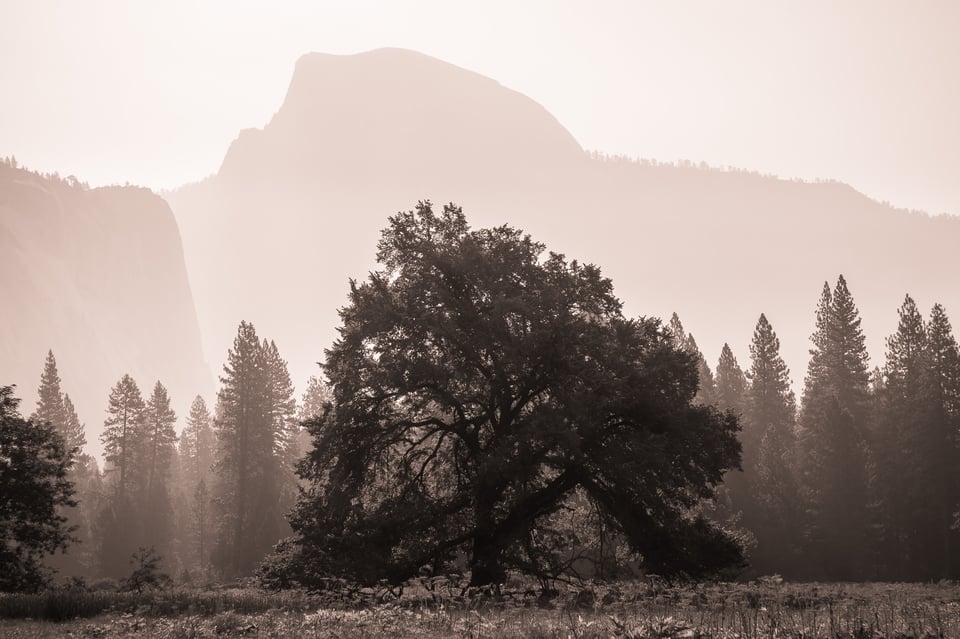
x,y
200,519
770,410
256,427
315,399
707,392
816,366
877,382
281,405
246,463
160,435
86,478
282,411
123,436
677,335
903,416
734,500
849,358
197,444
916,448
74,433
55,408
731,383
944,361
50,405
768,439
159,441
119,526
918,441
832,448
944,378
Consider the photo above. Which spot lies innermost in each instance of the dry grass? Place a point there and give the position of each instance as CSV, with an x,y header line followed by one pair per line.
x,y
767,609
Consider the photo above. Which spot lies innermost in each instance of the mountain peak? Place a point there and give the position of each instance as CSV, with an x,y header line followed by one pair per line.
x,y
315,69
362,136
402,115
397,54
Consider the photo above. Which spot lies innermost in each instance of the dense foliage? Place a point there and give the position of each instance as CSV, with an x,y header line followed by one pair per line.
x,y
34,486
255,432
479,386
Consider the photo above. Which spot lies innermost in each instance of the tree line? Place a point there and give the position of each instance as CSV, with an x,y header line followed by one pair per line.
x,y
209,502
861,481
488,407
466,374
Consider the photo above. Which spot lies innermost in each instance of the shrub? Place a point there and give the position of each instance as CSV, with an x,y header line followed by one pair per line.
x,y
146,572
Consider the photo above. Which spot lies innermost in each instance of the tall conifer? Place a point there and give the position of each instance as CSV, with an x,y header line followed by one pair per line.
x,y
314,400
832,448
944,379
677,335
159,441
74,433
196,465
119,526
769,440
731,383
56,408
252,414
123,436
707,393
50,407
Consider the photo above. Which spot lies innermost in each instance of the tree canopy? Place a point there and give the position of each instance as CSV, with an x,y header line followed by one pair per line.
x,y
34,462
479,382
55,407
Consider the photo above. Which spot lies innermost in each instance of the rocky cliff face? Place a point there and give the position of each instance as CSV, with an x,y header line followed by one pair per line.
x,y
297,206
98,276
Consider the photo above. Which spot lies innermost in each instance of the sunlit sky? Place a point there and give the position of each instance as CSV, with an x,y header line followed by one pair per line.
x,y
152,93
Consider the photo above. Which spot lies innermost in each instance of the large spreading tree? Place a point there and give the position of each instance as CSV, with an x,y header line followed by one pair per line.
x,y
479,383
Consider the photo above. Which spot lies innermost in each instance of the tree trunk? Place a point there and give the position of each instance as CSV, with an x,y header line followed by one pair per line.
x,y
485,568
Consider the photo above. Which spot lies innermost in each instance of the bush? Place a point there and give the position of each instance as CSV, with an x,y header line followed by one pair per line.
x,y
281,569
146,572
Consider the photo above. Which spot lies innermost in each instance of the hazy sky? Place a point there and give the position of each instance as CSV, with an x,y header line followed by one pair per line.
x,y
867,92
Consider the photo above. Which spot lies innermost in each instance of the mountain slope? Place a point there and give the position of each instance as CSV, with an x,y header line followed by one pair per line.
x,y
98,276
297,206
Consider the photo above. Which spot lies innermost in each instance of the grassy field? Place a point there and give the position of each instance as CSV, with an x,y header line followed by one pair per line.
x,y
631,610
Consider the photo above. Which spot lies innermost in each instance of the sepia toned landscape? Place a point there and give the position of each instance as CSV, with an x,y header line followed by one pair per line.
x,y
405,352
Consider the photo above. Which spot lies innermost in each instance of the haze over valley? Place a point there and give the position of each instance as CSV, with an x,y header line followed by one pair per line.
x,y
431,329
359,137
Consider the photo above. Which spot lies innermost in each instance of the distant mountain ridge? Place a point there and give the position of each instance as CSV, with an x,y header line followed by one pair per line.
x,y
101,277
297,206
98,276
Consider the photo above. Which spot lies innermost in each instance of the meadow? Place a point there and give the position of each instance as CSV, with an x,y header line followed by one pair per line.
x,y
767,608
